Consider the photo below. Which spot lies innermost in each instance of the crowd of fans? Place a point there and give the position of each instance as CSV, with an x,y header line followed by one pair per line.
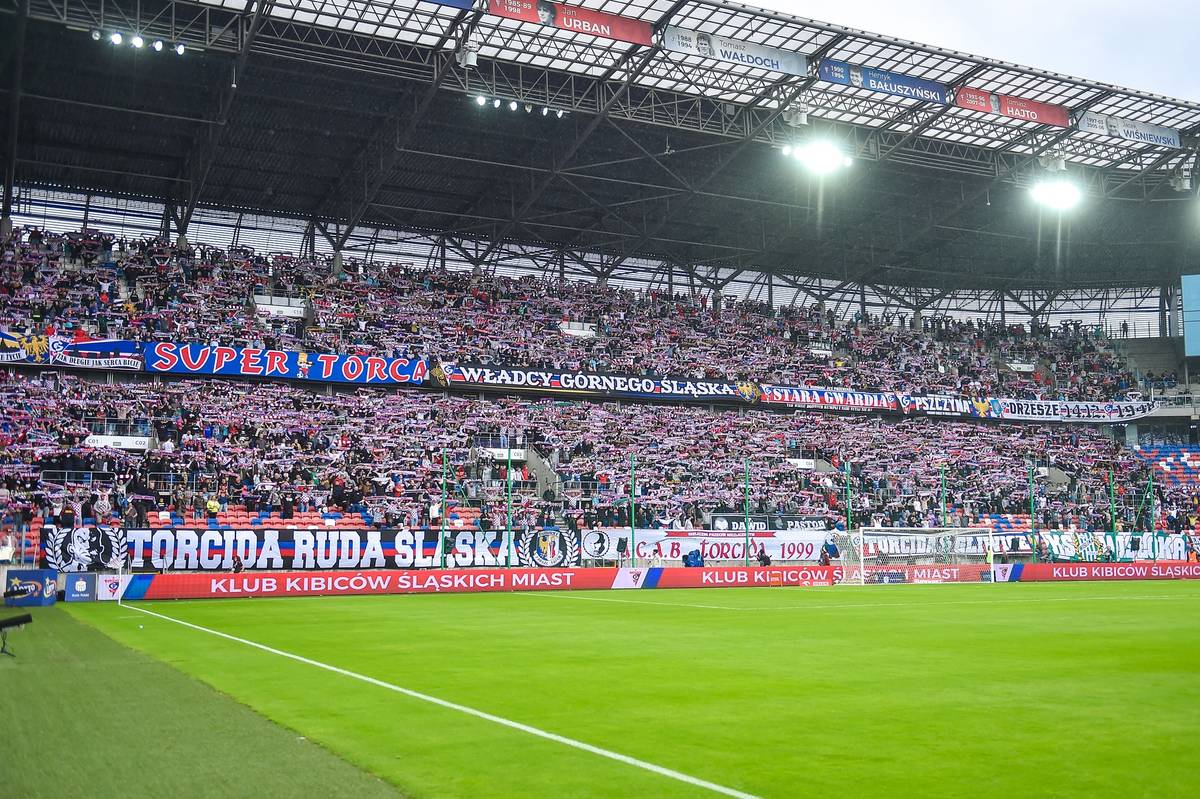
x,y
280,448
149,291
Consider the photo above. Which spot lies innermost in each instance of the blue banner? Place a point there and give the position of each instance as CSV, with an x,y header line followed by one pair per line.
x,y
465,5
208,361
878,80
80,588
67,351
40,587
584,384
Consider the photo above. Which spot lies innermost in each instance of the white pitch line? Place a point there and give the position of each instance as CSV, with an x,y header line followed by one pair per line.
x,y
470,711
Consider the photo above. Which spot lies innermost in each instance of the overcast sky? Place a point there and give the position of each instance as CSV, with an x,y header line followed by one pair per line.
x,y
1150,45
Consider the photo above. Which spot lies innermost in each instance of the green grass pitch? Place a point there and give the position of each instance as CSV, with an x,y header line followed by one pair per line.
x,y
1065,690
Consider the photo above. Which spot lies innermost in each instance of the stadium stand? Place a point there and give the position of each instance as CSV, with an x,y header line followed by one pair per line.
x,y
283,455
151,291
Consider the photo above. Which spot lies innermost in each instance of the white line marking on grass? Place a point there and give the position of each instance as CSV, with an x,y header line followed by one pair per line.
x,y
470,711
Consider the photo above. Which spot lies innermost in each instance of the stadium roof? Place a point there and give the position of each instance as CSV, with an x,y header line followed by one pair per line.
x,y
355,112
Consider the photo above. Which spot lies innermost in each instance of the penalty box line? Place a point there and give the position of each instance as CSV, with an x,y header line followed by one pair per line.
x,y
470,711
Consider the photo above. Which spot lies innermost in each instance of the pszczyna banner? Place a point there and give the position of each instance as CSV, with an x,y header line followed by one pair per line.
x,y
1014,107
734,51
878,80
181,549
203,359
1128,129
574,18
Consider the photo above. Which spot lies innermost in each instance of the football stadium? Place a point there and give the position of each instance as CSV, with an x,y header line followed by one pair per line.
x,y
606,398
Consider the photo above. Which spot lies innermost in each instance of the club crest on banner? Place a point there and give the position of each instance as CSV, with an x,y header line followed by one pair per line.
x,y
549,549
749,391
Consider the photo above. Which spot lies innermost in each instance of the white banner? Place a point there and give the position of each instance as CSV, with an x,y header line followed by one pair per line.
x,y
616,543
111,587
117,442
1128,129
681,40
1064,411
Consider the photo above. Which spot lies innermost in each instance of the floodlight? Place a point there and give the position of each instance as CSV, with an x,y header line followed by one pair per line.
x,y
95,35
137,41
512,105
559,113
467,56
1057,193
157,45
496,103
179,48
545,110
821,157
116,38
787,150
481,100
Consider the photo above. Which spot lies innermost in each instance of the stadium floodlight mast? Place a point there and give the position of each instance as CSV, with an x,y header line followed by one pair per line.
x,y
819,156
1057,193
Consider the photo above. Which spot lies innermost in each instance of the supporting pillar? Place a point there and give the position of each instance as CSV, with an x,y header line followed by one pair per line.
x,y
1171,311
164,224
14,120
